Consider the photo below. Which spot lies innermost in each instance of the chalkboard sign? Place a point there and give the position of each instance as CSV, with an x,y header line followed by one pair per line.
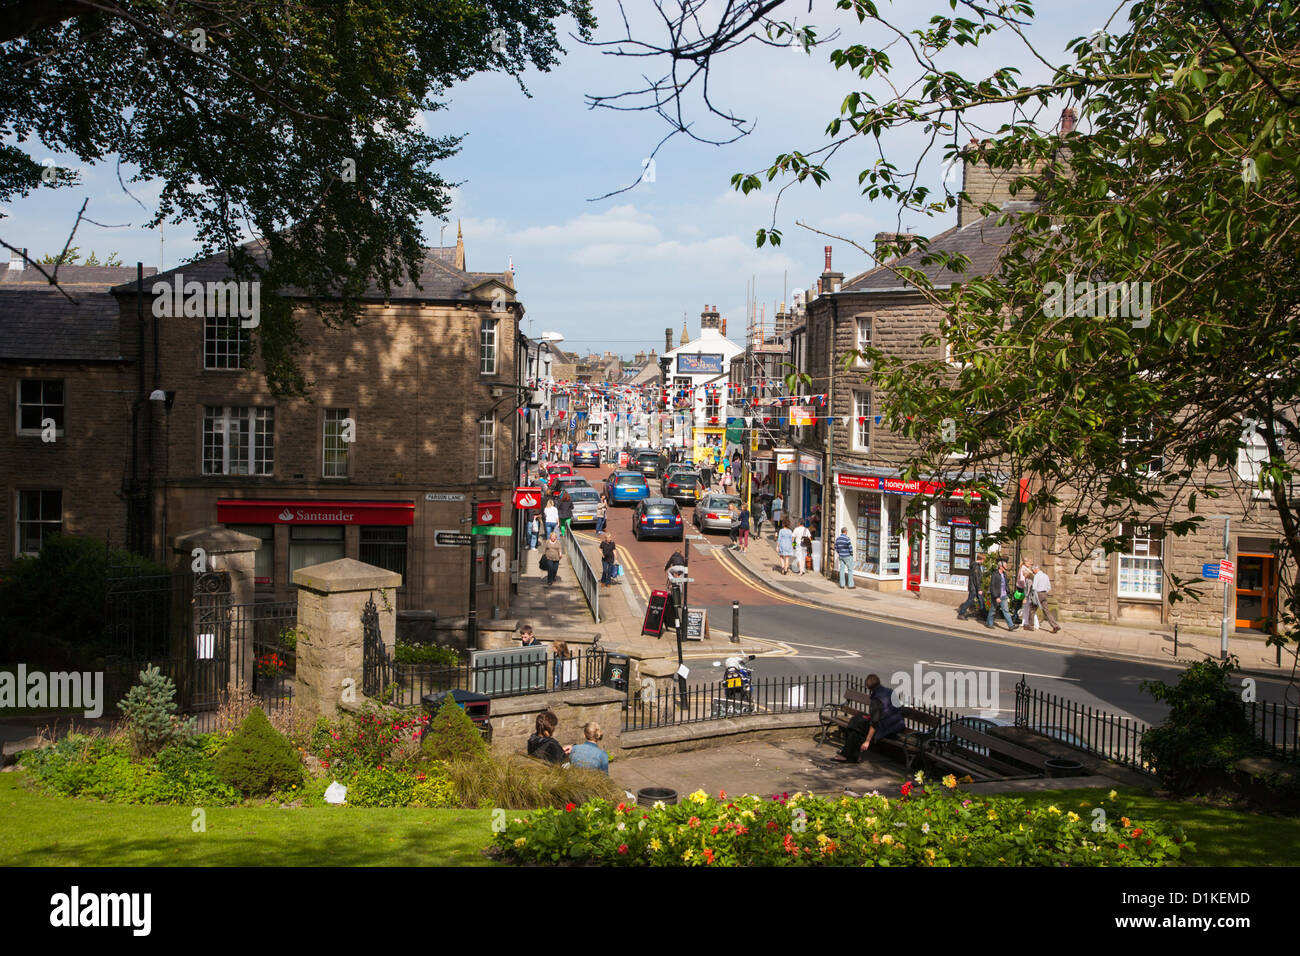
x,y
654,614
697,624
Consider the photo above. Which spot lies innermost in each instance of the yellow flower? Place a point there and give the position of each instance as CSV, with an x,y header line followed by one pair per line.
x,y
1072,817
521,841
687,855
1054,810
1113,794
818,826
870,821
1022,828
887,838
1125,821
823,839
699,796
930,854
950,781
993,815
655,844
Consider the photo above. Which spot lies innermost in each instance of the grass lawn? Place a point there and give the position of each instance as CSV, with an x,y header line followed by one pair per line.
x,y
1222,837
60,831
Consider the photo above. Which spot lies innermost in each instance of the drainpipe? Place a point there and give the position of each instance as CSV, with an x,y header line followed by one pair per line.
x,y
829,452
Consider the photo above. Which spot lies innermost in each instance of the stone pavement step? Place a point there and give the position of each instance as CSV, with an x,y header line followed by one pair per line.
x,y
762,565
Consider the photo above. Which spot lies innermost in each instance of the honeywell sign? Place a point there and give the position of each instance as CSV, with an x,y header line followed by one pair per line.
x,y
251,511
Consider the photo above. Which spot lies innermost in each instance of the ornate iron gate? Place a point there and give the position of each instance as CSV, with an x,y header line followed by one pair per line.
x,y
376,666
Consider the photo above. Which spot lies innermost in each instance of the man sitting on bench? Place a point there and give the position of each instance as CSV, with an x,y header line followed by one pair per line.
x,y
883,721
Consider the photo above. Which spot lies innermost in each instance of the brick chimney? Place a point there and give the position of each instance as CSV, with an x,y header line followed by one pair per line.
x,y
986,185
709,318
889,245
1068,120
830,280
668,340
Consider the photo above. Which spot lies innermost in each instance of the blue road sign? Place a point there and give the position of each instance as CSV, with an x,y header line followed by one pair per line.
x,y
1210,570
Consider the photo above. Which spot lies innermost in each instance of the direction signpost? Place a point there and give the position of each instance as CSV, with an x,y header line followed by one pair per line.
x,y
1210,571
452,538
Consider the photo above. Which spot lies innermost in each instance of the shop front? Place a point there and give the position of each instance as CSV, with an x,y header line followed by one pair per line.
x,y
931,552
709,445
808,495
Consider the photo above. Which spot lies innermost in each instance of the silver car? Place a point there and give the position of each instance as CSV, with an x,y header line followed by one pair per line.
x,y
585,504
713,512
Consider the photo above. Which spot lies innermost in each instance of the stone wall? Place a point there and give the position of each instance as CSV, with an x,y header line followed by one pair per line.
x,y
514,718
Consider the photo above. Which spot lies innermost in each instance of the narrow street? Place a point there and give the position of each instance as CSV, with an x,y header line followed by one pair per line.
x,y
813,640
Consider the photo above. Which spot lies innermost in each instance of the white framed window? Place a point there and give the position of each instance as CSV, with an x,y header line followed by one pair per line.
x,y
1134,437
238,440
861,423
40,400
487,346
864,332
1141,565
336,442
40,516
711,401
223,342
1252,456
487,439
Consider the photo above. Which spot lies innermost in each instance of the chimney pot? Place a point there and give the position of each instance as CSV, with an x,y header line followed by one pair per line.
x,y
828,259
1068,119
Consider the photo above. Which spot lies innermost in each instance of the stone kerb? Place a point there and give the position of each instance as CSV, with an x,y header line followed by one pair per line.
x,y
331,598
235,553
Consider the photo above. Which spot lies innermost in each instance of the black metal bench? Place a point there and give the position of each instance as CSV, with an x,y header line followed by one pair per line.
x,y
908,743
837,717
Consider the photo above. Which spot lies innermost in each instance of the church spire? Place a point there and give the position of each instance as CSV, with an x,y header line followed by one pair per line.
x,y
685,337
460,248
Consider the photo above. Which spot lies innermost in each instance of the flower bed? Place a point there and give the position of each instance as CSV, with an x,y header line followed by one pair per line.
x,y
941,826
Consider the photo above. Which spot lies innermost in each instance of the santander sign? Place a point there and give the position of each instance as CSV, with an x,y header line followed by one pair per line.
x,y
527,498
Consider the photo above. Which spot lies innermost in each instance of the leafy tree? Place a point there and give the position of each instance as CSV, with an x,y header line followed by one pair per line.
x,y
149,713
72,255
1183,174
296,124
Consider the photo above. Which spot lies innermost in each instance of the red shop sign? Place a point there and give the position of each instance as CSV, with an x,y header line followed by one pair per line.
x,y
897,486
527,498
279,511
487,512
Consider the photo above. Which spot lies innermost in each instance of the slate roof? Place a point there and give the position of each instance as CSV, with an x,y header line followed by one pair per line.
x,y
38,322
981,241
438,278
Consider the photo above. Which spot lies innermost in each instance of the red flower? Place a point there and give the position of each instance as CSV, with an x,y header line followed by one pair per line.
x,y
907,788
621,807
708,855
1137,832
622,848
714,831
1123,846
570,807
771,824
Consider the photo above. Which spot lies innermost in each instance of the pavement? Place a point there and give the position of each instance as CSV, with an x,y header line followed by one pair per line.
x,y
761,565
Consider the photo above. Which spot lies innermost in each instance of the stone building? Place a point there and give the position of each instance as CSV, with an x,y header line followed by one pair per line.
x,y
411,420
928,554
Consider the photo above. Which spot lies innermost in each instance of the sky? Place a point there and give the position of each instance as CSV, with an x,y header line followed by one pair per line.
x,y
612,274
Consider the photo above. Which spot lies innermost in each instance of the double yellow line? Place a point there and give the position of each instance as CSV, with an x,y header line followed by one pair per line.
x,y
639,586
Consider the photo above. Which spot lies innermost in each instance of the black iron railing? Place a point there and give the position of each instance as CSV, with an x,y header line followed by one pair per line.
x,y
1276,726
1098,732
661,705
543,675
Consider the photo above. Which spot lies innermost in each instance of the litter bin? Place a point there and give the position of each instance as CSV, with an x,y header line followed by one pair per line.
x,y
648,796
617,667
1063,767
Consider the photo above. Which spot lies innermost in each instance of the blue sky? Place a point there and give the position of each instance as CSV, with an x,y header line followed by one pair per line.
x,y
614,274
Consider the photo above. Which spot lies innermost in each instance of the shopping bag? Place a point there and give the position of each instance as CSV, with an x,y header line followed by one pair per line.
x,y
617,572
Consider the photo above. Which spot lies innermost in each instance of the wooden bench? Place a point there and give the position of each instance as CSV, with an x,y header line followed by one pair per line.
x,y
1000,758
908,743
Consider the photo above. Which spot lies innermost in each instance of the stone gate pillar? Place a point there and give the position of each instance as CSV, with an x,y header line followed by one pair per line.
x,y
235,553
331,597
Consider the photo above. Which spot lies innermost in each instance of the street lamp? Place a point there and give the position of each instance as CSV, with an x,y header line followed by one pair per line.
x,y
1227,543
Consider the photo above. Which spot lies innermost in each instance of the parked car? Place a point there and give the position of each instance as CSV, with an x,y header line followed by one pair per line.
x,y
586,502
713,512
551,470
649,462
657,518
561,482
680,466
626,486
680,486
586,454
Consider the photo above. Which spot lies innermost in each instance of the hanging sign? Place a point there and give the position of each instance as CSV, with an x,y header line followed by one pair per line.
x,y
488,512
527,499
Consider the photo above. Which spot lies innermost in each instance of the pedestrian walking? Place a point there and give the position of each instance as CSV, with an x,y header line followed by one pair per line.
x,y
728,482
974,589
535,529
1040,587
565,513
844,555
607,548
601,510
551,554
777,508
1023,577
550,516
800,546
744,529
562,661
1000,596
733,512
785,545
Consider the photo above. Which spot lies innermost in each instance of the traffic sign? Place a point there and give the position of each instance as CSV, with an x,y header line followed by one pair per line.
x,y
1210,570
450,539
527,499
1227,570
492,529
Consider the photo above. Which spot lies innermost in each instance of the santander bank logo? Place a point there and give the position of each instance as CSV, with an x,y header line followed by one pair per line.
x,y
286,515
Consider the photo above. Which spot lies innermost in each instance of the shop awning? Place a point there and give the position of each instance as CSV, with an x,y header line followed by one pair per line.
x,y
307,511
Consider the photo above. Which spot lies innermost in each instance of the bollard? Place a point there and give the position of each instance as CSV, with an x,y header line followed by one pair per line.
x,y
1175,642
735,622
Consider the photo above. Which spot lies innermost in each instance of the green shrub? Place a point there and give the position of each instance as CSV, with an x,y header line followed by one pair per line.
x,y
1205,731
149,711
450,734
376,737
372,787
522,783
257,759
426,654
